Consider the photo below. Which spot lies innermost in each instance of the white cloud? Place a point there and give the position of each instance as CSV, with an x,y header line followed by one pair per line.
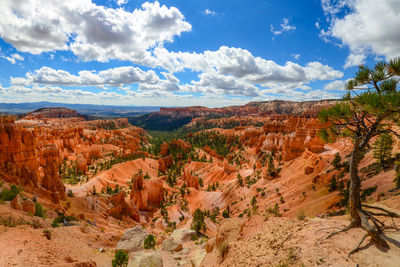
x,y
335,86
285,27
354,60
171,83
90,31
236,71
368,27
296,56
113,77
332,7
122,2
320,94
94,32
21,94
229,71
214,83
240,63
13,58
209,12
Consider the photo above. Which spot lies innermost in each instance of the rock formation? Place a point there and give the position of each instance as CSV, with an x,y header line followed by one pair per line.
x,y
23,160
122,208
190,180
146,195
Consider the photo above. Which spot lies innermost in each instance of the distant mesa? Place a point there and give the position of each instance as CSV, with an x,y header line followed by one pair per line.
x,y
54,113
173,118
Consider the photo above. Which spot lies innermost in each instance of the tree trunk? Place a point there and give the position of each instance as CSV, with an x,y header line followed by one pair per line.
x,y
355,186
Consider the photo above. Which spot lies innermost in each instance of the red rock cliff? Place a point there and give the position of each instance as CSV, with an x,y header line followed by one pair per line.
x,y
24,161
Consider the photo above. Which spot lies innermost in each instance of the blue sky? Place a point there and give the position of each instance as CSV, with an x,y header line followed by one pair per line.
x,y
181,53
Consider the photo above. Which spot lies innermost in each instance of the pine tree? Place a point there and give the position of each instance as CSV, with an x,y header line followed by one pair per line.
x,y
240,179
271,167
336,161
383,147
369,109
198,223
333,184
253,201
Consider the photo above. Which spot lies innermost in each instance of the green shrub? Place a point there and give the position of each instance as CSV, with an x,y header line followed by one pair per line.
x,y
39,211
61,218
274,210
8,195
120,259
225,214
69,193
367,192
149,242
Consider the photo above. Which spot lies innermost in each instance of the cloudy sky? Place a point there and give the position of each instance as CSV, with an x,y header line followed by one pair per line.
x,y
189,52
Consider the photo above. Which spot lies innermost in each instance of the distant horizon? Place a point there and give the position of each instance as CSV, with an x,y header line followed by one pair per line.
x,y
183,53
144,106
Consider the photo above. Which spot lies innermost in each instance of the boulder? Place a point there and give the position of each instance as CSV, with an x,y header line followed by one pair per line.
x,y
182,235
146,259
170,244
16,202
178,236
28,206
132,240
198,257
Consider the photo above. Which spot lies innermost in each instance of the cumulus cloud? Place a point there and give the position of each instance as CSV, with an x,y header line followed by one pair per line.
x,y
284,27
93,32
21,94
114,77
368,27
214,83
230,71
338,85
170,83
13,58
354,60
240,63
90,31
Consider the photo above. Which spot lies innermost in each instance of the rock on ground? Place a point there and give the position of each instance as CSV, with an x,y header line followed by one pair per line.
x,y
182,235
170,244
178,236
132,240
146,259
198,257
